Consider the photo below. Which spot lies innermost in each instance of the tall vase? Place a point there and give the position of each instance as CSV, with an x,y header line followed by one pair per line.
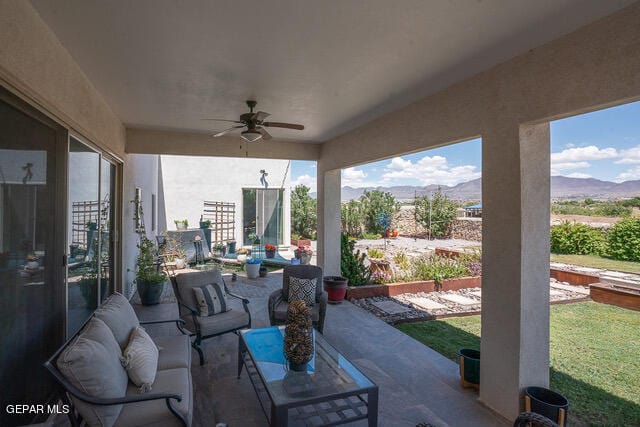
x,y
298,338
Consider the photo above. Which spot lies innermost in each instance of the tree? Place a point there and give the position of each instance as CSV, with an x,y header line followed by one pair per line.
x,y
352,218
304,217
436,214
375,203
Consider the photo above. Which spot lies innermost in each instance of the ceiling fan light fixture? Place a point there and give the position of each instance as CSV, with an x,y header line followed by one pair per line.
x,y
251,135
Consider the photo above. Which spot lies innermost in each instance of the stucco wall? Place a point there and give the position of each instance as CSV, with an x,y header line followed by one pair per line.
x,y
188,181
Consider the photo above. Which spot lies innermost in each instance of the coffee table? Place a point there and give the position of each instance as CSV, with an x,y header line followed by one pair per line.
x,y
332,391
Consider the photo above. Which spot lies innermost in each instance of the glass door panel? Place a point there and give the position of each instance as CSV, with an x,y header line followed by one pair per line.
x,y
248,215
84,219
269,215
106,226
31,301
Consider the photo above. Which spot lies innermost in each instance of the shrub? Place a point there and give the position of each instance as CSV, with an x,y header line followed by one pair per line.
x,y
370,236
577,239
304,217
472,261
436,214
401,260
438,268
375,253
624,240
352,218
352,264
374,204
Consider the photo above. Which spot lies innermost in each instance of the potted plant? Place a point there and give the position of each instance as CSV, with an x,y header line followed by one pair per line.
x,y
180,259
205,224
149,281
546,402
92,225
270,251
336,288
219,249
469,367
252,268
181,224
303,253
263,271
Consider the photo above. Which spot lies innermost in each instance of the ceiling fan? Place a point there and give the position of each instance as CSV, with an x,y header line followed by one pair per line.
x,y
255,124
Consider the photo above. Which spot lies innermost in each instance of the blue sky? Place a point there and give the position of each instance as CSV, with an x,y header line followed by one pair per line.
x,y
604,145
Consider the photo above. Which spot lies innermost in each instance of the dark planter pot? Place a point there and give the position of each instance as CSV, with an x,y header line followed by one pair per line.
x,y
304,258
263,272
150,293
469,367
336,287
89,290
270,253
203,225
548,403
231,247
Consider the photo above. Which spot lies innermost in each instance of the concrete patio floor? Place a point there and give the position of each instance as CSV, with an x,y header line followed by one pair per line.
x,y
417,384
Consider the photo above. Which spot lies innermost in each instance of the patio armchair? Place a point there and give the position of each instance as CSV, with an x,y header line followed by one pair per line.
x,y
203,327
278,300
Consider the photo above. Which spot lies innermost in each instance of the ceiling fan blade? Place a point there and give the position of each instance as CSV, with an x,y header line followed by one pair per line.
x,y
283,125
227,130
224,120
260,116
265,135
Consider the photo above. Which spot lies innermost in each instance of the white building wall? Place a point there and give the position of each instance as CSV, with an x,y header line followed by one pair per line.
x,y
188,181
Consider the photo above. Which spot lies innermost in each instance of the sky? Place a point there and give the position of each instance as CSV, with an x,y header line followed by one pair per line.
x,y
604,145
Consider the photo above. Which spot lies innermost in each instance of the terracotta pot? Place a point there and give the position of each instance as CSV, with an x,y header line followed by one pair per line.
x,y
336,287
394,233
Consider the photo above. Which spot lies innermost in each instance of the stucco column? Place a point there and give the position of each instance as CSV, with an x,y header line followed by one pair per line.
x,y
515,264
329,224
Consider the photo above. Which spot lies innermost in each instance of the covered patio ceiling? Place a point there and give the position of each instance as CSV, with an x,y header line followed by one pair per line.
x,y
332,66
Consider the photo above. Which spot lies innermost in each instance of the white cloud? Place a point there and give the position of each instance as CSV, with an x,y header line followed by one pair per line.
x,y
308,180
353,177
629,156
578,175
429,170
629,175
557,168
578,154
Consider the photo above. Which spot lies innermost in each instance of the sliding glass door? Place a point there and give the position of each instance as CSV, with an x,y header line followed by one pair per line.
x,y
262,215
31,254
90,223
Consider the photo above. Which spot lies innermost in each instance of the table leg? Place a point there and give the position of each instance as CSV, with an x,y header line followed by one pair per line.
x,y
372,407
279,416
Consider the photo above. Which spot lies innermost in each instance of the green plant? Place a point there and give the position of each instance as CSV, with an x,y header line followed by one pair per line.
x,y
147,269
185,222
352,264
218,247
304,217
375,253
577,239
206,223
436,213
374,203
401,260
370,236
624,240
352,215
438,268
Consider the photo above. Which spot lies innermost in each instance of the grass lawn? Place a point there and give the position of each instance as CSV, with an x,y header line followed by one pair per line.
x,y
593,357
595,261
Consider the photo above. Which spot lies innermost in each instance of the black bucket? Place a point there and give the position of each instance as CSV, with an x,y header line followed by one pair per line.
x,y
548,403
469,367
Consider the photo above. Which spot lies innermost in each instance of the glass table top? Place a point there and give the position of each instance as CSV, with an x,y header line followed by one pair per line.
x,y
328,373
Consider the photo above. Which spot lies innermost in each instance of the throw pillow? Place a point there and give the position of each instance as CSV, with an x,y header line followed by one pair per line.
x,y
119,316
92,363
140,359
302,290
211,299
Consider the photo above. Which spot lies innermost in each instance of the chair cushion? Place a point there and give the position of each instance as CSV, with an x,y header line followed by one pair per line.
x,y
233,319
174,352
280,311
119,316
185,282
92,363
302,290
211,299
155,412
140,359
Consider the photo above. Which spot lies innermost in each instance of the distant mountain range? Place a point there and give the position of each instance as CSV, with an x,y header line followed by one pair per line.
x,y
561,188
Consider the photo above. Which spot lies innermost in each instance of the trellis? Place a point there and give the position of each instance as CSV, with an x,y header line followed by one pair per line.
x,y
82,213
223,220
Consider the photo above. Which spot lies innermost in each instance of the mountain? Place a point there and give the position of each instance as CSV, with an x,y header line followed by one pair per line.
x,y
562,187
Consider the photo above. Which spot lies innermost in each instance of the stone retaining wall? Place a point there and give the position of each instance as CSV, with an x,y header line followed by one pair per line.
x,y
462,228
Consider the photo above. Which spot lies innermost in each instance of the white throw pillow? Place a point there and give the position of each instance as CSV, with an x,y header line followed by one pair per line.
x,y
140,359
303,290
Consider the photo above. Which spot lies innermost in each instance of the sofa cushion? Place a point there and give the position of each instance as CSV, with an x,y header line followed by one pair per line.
x,y
92,363
280,311
235,318
155,412
174,352
302,290
140,359
185,282
119,316
211,299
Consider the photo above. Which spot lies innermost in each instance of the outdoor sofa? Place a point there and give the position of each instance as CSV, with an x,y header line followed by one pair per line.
x,y
89,370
